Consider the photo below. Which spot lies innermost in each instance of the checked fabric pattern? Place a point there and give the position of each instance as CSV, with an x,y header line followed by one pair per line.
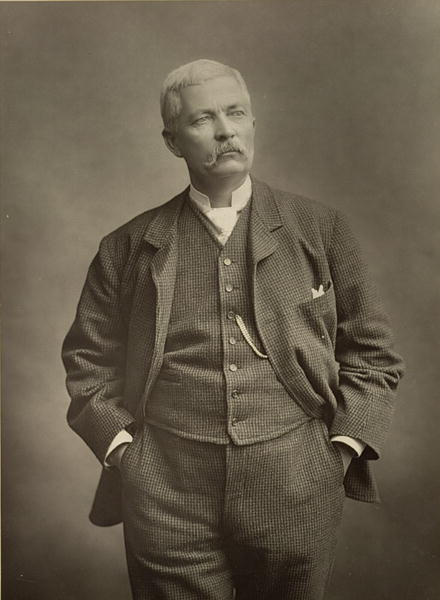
x,y
196,394
202,518
333,354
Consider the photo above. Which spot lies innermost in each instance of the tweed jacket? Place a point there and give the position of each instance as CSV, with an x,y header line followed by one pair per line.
x,y
333,353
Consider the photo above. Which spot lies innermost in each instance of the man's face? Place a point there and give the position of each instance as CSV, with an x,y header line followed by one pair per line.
x,y
214,131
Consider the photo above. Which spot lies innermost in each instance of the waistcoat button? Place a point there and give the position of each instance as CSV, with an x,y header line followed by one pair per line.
x,y
227,261
233,367
229,287
231,314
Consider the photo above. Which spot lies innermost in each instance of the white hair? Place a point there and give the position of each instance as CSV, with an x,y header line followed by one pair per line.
x,y
192,73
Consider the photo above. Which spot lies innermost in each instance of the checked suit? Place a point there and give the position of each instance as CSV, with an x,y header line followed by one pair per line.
x,y
332,354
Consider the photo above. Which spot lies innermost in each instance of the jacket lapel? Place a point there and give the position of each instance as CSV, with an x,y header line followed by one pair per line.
x,y
278,256
162,235
264,219
279,265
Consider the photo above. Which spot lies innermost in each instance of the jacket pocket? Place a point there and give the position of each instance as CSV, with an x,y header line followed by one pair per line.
x,y
321,304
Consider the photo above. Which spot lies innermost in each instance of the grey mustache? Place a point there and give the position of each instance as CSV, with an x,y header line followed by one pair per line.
x,y
222,149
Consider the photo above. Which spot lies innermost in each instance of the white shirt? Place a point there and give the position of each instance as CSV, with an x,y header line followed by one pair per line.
x,y
223,219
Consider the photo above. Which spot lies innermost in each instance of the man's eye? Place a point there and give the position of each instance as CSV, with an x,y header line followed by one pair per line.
x,y
201,120
237,113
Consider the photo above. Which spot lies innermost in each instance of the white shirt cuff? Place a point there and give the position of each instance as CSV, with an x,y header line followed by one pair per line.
x,y
357,445
123,437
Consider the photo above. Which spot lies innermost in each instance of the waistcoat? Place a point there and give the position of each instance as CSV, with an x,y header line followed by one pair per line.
x,y
213,385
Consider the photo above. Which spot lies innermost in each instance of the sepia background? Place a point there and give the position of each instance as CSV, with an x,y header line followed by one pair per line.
x,y
347,100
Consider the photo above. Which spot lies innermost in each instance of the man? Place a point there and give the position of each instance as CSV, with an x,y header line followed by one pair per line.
x,y
231,367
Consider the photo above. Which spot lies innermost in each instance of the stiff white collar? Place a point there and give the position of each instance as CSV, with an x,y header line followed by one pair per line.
x,y
240,197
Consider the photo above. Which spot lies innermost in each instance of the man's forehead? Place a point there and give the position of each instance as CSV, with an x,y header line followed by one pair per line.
x,y
218,90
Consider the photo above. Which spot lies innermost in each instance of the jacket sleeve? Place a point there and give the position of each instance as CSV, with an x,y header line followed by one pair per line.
x,y
94,358
369,368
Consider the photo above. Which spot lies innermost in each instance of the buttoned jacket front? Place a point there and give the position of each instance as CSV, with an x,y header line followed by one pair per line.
x,y
333,353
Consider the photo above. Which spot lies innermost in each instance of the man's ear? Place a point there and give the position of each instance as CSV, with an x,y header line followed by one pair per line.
x,y
170,143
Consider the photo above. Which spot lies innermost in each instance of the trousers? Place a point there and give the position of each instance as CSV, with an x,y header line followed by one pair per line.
x,y
214,522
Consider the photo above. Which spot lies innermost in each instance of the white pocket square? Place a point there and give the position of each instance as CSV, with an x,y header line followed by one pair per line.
x,y
318,292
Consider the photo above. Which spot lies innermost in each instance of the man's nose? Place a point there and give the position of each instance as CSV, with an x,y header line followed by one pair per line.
x,y
224,128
